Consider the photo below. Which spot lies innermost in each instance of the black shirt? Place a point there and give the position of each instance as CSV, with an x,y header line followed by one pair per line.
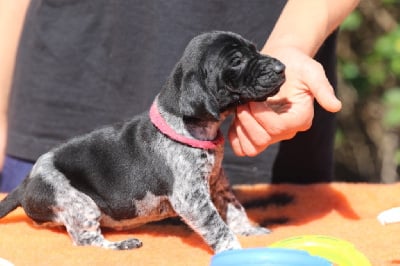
x,y
83,64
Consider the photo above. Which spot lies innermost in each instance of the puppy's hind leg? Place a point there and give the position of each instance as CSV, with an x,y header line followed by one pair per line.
x,y
81,217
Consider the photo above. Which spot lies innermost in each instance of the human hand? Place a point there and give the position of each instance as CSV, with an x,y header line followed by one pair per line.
x,y
260,124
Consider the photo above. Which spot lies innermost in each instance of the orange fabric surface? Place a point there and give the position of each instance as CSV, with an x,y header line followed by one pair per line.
x,y
342,210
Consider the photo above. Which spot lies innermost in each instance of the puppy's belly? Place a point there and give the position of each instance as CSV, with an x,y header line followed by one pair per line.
x,y
150,209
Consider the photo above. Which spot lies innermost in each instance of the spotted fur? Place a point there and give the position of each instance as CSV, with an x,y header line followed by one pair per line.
x,y
130,174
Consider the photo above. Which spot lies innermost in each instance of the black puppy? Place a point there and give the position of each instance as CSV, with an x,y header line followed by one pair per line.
x,y
163,163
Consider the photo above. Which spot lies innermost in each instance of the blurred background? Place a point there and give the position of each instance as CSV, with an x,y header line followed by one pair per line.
x,y
368,136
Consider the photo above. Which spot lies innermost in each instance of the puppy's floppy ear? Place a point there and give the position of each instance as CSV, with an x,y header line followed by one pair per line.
x,y
197,101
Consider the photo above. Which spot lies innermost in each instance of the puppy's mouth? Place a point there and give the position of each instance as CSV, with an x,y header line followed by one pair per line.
x,y
262,90
271,91
256,93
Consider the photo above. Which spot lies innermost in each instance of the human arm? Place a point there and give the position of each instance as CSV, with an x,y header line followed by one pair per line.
x,y
299,32
12,14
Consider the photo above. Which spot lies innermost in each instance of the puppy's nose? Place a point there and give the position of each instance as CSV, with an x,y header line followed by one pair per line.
x,y
278,67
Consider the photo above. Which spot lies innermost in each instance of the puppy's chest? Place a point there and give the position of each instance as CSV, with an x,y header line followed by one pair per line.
x,y
197,166
206,161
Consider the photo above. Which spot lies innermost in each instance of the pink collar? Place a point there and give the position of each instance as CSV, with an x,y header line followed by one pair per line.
x,y
160,123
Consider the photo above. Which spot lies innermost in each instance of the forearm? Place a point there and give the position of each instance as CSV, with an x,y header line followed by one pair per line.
x,y
298,34
12,14
305,24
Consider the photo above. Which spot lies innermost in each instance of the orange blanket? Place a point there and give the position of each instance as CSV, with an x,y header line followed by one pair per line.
x,y
342,210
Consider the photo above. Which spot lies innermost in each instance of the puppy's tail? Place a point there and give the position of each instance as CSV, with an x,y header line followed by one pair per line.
x,y
11,201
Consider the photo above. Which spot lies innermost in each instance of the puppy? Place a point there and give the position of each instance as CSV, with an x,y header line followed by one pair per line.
x,y
160,164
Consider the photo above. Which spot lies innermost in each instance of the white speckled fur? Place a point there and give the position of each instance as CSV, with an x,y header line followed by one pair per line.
x,y
129,174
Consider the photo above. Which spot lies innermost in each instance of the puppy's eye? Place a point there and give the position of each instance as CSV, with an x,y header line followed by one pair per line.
x,y
236,60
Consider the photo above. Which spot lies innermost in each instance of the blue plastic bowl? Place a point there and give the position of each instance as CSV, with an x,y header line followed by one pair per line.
x,y
267,257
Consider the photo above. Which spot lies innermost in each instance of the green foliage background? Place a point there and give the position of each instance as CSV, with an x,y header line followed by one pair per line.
x,y
368,135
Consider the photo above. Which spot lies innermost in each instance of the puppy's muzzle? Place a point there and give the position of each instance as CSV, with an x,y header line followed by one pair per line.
x,y
278,67
268,76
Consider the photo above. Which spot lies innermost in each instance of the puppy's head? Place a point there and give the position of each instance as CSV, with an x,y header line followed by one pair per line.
x,y
218,71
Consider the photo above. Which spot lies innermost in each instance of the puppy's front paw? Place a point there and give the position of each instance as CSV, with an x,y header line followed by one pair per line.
x,y
251,230
240,224
227,245
128,244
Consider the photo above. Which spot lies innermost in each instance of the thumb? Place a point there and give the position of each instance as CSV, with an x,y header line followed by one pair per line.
x,y
322,90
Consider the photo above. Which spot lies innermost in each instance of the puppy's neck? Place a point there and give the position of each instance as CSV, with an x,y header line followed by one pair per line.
x,y
193,132
201,130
